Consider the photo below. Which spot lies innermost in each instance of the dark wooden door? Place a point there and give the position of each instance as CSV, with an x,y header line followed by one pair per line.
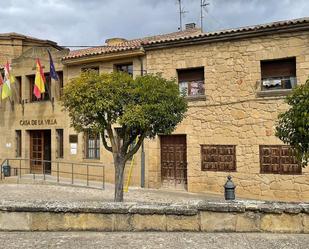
x,y
174,161
36,151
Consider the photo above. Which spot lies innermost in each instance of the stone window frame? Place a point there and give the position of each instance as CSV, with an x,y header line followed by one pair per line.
x,y
60,141
60,83
190,80
91,68
18,145
278,160
124,67
93,149
287,78
218,157
19,89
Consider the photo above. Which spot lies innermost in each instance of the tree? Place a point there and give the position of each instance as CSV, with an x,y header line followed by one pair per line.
x,y
293,125
124,111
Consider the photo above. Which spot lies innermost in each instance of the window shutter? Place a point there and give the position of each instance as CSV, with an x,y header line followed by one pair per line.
x,y
278,68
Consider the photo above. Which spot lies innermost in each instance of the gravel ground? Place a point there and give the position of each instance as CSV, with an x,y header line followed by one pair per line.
x,y
93,240
50,192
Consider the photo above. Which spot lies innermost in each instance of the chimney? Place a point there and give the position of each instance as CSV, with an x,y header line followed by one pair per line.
x,y
115,41
191,25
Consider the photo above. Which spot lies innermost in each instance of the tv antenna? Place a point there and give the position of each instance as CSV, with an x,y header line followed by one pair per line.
x,y
181,13
204,4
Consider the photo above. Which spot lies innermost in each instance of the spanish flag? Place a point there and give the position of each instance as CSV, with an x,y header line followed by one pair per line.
x,y
39,82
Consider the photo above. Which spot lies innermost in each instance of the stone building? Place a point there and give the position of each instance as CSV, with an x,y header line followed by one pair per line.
x,y
235,82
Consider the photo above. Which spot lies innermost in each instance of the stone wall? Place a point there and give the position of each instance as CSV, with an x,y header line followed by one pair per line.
x,y
201,216
232,113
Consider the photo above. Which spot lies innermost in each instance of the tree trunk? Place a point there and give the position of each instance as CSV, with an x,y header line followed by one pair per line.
x,y
119,174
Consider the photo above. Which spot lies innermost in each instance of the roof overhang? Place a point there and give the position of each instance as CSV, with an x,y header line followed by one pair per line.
x,y
227,36
103,57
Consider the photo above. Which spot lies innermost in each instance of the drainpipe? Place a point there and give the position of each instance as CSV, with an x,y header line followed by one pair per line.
x,y
143,149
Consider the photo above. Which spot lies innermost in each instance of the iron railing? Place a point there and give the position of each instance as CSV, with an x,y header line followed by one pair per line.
x,y
81,172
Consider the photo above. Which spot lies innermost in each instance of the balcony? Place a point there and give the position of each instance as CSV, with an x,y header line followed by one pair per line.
x,y
272,87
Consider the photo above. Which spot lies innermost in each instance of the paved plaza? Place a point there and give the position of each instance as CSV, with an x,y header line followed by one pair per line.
x,y
93,240
52,192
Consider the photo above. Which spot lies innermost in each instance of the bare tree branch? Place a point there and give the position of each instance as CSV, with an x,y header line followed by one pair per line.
x,y
136,147
112,138
105,143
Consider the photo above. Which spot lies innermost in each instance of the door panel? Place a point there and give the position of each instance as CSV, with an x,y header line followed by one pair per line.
x,y
36,151
174,161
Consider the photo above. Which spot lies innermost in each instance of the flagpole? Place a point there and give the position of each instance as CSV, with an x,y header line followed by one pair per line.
x,y
49,92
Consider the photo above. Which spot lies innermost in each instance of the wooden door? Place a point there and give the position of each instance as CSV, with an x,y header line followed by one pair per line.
x,y
174,161
36,151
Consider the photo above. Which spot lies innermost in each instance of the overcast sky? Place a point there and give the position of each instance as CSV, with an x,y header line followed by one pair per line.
x,y
91,22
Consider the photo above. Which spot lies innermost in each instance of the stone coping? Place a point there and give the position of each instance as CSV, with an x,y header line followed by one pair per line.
x,y
184,209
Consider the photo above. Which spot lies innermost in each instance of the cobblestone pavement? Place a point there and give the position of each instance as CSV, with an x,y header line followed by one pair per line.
x,y
93,240
50,192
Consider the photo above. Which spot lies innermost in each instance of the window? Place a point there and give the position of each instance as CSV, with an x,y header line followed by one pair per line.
x,y
127,68
278,159
73,139
191,81
92,143
18,89
96,69
278,74
218,157
44,96
60,82
59,137
18,143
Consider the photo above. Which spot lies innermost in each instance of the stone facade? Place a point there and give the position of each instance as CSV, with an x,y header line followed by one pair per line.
x,y
232,112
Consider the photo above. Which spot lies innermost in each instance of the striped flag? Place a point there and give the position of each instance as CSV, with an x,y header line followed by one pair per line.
x,y
1,83
39,82
6,88
1,80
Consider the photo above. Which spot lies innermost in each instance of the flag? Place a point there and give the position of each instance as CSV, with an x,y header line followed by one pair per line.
x,y
9,72
1,80
52,72
39,81
6,88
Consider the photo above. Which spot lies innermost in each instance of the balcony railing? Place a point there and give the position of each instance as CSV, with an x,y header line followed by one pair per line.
x,y
277,83
275,86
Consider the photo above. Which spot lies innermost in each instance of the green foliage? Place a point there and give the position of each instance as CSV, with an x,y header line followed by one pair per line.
x,y
145,106
293,125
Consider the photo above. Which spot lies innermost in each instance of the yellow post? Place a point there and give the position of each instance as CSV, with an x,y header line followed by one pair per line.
x,y
126,188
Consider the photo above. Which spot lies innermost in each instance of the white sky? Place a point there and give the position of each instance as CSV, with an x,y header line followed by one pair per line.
x,y
91,22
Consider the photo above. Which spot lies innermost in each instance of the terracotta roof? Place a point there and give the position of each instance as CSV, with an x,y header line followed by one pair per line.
x,y
130,44
261,27
185,35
